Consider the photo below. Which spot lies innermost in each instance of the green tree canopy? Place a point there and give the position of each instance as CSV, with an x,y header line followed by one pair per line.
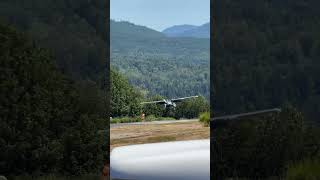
x,y
125,99
192,108
43,128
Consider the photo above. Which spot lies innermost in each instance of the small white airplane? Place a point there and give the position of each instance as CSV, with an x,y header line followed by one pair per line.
x,y
178,160
170,102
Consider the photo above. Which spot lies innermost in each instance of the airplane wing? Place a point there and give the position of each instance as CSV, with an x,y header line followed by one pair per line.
x,y
227,118
184,98
154,102
187,160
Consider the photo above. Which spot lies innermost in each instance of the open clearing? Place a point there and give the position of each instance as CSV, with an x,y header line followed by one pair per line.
x,y
152,133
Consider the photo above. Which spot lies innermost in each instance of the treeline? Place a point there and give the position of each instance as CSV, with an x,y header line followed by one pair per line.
x,y
266,147
186,109
170,67
126,102
125,99
51,119
73,30
266,55
49,122
74,33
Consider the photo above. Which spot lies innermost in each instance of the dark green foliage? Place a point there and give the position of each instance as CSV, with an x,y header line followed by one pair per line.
x,y
124,119
159,67
84,148
92,98
40,104
154,109
170,67
186,109
74,30
205,118
125,100
304,170
263,147
45,127
266,54
191,108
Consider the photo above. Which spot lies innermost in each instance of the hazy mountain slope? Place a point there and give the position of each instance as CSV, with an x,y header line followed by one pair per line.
x,y
167,66
176,30
202,31
127,29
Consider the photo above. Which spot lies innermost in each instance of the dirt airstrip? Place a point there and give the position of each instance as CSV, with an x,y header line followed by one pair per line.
x,y
151,133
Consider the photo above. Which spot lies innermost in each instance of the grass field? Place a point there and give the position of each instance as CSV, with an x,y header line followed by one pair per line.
x,y
152,133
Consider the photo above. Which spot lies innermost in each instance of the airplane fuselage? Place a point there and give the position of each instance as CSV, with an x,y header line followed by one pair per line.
x,y
169,103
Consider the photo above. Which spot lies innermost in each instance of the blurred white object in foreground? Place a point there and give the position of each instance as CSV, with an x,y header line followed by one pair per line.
x,y
185,160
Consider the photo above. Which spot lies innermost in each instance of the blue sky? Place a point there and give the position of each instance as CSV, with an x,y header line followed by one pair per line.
x,y
160,14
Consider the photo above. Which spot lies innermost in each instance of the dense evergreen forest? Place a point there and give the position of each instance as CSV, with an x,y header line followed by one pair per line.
x,y
73,30
266,55
126,102
53,87
170,67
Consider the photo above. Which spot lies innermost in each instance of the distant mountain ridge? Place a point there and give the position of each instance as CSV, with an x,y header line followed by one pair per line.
x,y
131,29
185,30
176,30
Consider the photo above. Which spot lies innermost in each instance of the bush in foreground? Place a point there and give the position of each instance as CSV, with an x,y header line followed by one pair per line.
x,y
308,169
205,118
125,119
263,147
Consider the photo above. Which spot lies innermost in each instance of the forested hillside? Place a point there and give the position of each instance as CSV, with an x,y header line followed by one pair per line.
x,y
266,55
52,83
170,67
73,30
48,125
126,103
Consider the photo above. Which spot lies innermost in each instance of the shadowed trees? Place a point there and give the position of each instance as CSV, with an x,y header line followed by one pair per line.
x,y
44,127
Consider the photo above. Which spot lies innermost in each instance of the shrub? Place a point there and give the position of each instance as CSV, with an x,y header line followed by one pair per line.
x,y
205,118
267,143
125,119
304,170
151,118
